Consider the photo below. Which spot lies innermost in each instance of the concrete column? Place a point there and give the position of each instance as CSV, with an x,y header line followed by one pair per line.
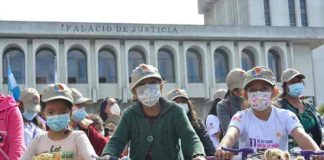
x,y
30,70
279,12
61,63
297,10
315,12
256,12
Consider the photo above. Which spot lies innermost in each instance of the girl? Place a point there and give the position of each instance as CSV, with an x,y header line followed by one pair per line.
x,y
263,126
153,124
212,121
180,96
59,140
30,104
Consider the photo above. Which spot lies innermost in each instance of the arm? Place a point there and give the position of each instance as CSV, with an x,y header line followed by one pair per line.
x,y
304,140
15,134
84,146
223,115
205,140
120,138
97,140
190,142
228,141
230,137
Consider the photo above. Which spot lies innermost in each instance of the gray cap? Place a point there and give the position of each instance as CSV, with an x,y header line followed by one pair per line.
x,y
289,74
220,94
57,91
235,78
260,73
143,71
78,97
175,93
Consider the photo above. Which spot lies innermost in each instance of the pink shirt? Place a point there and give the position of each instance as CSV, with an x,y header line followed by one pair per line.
x,y
12,143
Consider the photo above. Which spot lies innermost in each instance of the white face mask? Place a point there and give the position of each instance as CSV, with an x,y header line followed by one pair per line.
x,y
184,106
148,94
115,110
259,101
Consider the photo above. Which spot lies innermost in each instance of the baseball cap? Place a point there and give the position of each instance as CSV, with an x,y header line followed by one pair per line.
x,y
57,91
220,94
235,78
31,100
143,71
175,93
78,97
259,73
289,74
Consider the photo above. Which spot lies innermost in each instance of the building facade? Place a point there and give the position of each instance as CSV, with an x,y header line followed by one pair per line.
x,y
269,13
97,58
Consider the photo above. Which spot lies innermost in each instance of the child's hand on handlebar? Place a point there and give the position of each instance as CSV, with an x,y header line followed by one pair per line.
x,y
221,154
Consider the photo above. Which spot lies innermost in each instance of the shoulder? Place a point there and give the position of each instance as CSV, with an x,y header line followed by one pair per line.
x,y
212,118
281,111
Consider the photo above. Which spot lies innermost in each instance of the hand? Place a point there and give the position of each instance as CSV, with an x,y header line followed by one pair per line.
x,y
199,158
221,154
85,123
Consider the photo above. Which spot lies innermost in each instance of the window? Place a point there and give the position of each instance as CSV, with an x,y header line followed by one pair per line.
x,y
135,58
292,13
248,61
77,66
16,58
45,66
267,16
221,65
303,13
107,66
194,66
166,65
274,63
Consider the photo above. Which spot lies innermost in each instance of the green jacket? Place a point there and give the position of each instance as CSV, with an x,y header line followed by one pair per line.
x,y
163,137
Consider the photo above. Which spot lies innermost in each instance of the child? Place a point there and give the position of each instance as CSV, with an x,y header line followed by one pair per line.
x,y
59,140
263,126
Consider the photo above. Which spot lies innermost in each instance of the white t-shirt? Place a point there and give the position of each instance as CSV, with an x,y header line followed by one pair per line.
x,y
212,124
258,134
74,147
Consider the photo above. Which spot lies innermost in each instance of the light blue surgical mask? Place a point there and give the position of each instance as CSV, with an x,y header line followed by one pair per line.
x,y
295,90
79,114
29,115
58,122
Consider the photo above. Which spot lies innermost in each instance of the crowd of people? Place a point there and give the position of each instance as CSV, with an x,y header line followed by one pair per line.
x,y
251,113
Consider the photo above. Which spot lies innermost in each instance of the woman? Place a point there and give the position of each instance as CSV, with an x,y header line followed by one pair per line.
x,y
233,101
293,87
30,104
263,126
59,141
153,125
109,107
12,144
180,96
212,121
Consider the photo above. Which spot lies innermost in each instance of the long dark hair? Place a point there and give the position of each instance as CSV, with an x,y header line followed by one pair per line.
x,y
213,108
192,115
102,112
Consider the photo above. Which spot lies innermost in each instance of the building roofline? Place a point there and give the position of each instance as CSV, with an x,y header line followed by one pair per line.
x,y
31,29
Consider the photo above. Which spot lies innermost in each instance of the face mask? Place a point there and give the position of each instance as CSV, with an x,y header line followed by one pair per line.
x,y
259,101
79,114
295,90
29,115
115,110
148,94
58,122
184,106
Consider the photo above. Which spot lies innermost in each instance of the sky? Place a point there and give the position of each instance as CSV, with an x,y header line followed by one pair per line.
x,y
107,11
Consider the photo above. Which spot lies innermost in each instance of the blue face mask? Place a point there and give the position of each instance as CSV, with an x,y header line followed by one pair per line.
x,y
295,90
79,114
29,115
58,122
